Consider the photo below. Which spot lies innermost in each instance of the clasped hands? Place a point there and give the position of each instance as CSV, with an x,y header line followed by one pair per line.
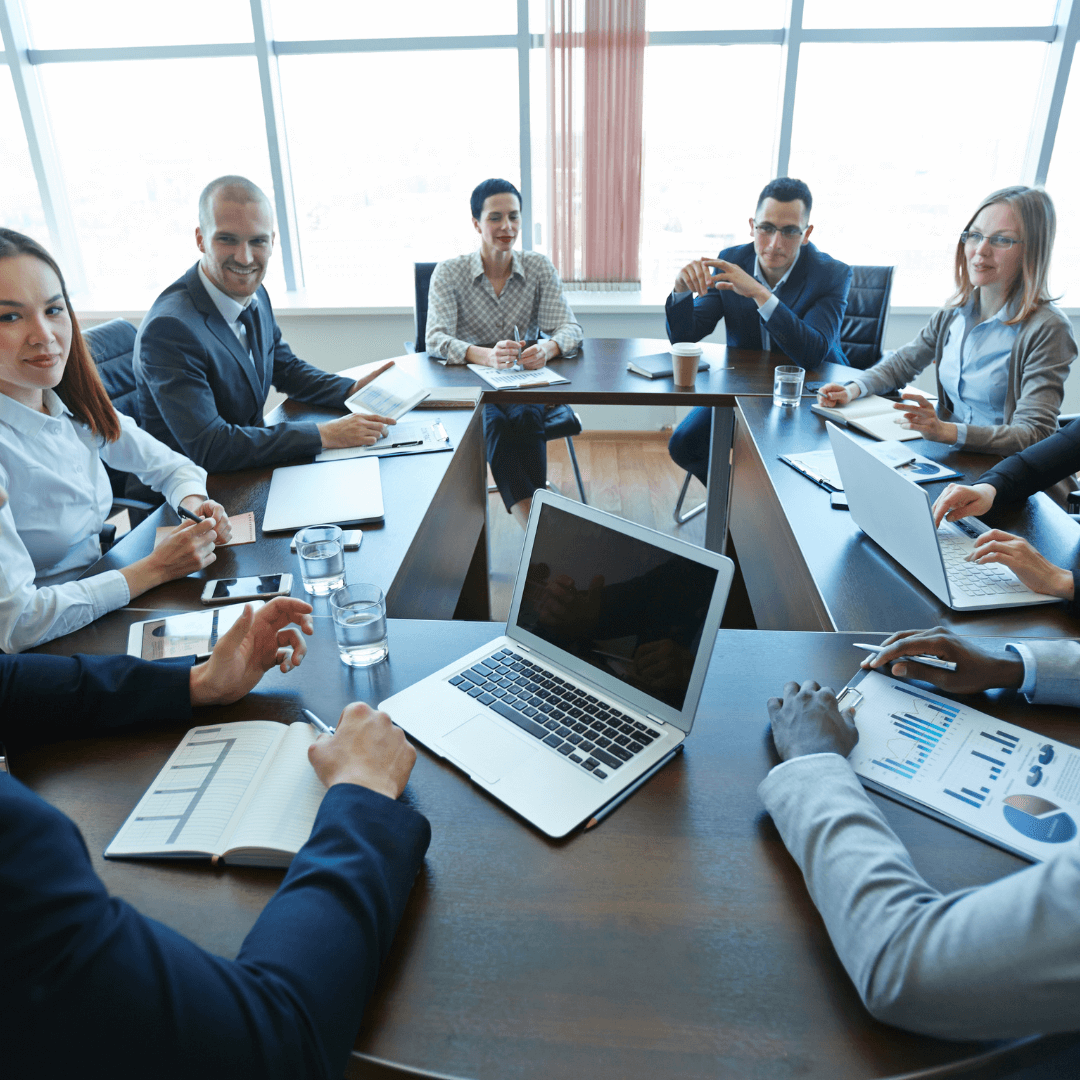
x,y
506,354
807,719
695,277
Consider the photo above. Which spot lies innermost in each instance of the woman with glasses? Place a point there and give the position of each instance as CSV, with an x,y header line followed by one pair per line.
x,y
1001,349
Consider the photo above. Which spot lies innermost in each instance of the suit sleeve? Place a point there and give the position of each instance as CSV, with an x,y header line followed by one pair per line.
x,y
174,365
71,695
125,989
690,318
1037,467
991,962
809,340
304,381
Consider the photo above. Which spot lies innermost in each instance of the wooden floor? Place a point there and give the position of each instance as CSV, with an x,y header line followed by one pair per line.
x,y
625,473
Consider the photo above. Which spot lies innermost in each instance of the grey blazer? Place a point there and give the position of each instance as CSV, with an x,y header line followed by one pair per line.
x,y
202,395
1038,365
990,962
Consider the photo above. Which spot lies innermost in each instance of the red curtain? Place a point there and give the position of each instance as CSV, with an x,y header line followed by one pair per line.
x,y
596,60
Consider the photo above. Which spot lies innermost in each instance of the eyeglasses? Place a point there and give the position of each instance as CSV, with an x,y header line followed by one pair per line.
x,y
970,236
788,232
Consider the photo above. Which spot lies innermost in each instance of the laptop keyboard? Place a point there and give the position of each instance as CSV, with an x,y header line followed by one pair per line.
x,y
972,579
587,731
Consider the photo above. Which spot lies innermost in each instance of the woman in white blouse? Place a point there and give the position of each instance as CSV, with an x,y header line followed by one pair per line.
x,y
57,426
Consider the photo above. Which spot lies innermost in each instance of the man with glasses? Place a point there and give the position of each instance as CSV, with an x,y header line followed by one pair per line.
x,y
779,293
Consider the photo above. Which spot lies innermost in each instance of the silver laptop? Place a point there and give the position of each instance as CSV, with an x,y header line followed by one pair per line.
x,y
897,514
346,492
594,684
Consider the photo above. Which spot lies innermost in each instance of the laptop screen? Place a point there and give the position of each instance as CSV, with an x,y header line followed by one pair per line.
x,y
634,610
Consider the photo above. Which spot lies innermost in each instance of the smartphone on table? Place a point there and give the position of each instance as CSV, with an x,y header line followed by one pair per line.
x,y
230,590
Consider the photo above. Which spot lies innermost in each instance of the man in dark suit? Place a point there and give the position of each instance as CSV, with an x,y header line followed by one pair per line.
x,y
91,986
778,293
210,348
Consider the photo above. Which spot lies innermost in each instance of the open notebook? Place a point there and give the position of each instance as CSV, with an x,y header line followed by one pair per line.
x,y
244,792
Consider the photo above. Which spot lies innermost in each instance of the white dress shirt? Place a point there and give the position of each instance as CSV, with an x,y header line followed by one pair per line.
x,y
58,498
229,309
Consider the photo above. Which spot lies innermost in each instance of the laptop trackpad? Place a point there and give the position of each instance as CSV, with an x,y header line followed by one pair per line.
x,y
484,749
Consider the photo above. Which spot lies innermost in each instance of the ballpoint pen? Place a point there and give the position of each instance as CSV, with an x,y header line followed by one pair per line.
x,y
184,512
929,661
317,724
517,340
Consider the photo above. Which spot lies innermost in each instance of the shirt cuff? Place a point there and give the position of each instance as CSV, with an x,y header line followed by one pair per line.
x,y
109,590
1027,687
863,392
961,435
678,297
770,305
802,757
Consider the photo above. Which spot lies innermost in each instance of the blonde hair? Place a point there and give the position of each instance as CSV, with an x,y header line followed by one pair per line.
x,y
1038,225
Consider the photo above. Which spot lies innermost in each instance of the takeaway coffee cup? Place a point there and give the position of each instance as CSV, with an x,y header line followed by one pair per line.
x,y
685,357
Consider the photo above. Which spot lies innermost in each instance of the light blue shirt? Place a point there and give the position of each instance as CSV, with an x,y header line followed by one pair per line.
x,y
974,368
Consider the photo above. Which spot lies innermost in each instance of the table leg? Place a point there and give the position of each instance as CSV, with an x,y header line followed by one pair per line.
x,y
716,511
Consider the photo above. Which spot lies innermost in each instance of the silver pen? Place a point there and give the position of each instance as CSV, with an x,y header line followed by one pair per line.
x,y
317,724
517,338
929,661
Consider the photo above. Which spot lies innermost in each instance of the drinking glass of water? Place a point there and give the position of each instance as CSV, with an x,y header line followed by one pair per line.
x,y
322,558
787,385
359,613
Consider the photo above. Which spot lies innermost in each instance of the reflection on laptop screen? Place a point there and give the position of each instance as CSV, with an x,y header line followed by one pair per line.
x,y
629,608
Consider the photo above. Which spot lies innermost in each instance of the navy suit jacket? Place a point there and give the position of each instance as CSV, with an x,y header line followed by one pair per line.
x,y
201,394
805,325
88,984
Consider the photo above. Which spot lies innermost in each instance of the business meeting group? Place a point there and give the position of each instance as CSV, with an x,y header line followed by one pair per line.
x,y
87,977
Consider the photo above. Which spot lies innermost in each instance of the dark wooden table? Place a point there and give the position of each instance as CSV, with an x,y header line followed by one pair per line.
x,y
429,554
676,939
809,567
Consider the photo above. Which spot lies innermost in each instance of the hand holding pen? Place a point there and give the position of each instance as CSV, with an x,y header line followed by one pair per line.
x,y
963,665
207,509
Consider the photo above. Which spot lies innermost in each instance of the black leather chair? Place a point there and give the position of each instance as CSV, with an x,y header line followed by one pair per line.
x,y
863,328
861,335
560,421
112,346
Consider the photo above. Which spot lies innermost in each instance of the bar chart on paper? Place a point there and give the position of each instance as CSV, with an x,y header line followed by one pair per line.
x,y
964,765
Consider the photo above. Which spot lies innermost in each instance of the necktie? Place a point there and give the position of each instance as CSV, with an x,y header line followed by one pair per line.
x,y
251,324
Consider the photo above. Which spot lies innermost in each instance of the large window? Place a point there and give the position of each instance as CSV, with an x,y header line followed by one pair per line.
x,y
375,121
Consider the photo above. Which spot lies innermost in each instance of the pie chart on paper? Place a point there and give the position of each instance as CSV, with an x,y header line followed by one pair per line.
x,y
1038,819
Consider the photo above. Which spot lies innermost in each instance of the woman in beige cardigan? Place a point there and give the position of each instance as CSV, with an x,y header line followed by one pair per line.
x,y
1002,350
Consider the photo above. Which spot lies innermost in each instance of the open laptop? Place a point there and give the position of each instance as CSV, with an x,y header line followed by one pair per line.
x,y
897,514
597,678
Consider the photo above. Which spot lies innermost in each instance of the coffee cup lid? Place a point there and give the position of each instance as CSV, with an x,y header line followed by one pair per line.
x,y
686,348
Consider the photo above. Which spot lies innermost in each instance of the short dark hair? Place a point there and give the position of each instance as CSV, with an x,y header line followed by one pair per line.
x,y
239,189
490,187
786,189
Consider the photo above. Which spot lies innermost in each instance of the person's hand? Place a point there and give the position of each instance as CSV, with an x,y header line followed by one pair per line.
x,y
807,721
1035,571
255,643
187,549
203,507
367,750
977,667
959,500
371,375
354,430
919,416
536,356
730,276
694,277
505,354
832,395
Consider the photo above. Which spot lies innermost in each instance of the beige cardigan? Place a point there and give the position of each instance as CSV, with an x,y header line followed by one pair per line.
x,y
1042,352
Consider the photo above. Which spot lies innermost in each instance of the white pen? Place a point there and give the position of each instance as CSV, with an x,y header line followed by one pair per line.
x,y
517,338
929,661
905,464
317,724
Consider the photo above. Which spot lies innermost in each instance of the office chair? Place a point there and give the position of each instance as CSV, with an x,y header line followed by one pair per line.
x,y
560,421
112,346
861,335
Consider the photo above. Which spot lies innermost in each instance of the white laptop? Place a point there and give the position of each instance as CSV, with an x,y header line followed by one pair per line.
x,y
594,684
897,514
347,492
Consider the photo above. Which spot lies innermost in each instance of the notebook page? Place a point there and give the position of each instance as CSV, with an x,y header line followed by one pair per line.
x,y
282,811
203,788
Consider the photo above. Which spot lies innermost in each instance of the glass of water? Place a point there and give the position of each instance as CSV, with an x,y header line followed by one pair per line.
x,y
360,624
787,385
322,558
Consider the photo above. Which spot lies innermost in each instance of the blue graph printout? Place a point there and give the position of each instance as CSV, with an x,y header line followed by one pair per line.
x,y
1009,785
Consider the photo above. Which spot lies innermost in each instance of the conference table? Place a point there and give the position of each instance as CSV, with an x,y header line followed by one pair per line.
x,y
674,939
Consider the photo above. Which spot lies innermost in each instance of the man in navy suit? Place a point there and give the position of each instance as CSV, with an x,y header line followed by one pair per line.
x,y
779,293
210,348
91,986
